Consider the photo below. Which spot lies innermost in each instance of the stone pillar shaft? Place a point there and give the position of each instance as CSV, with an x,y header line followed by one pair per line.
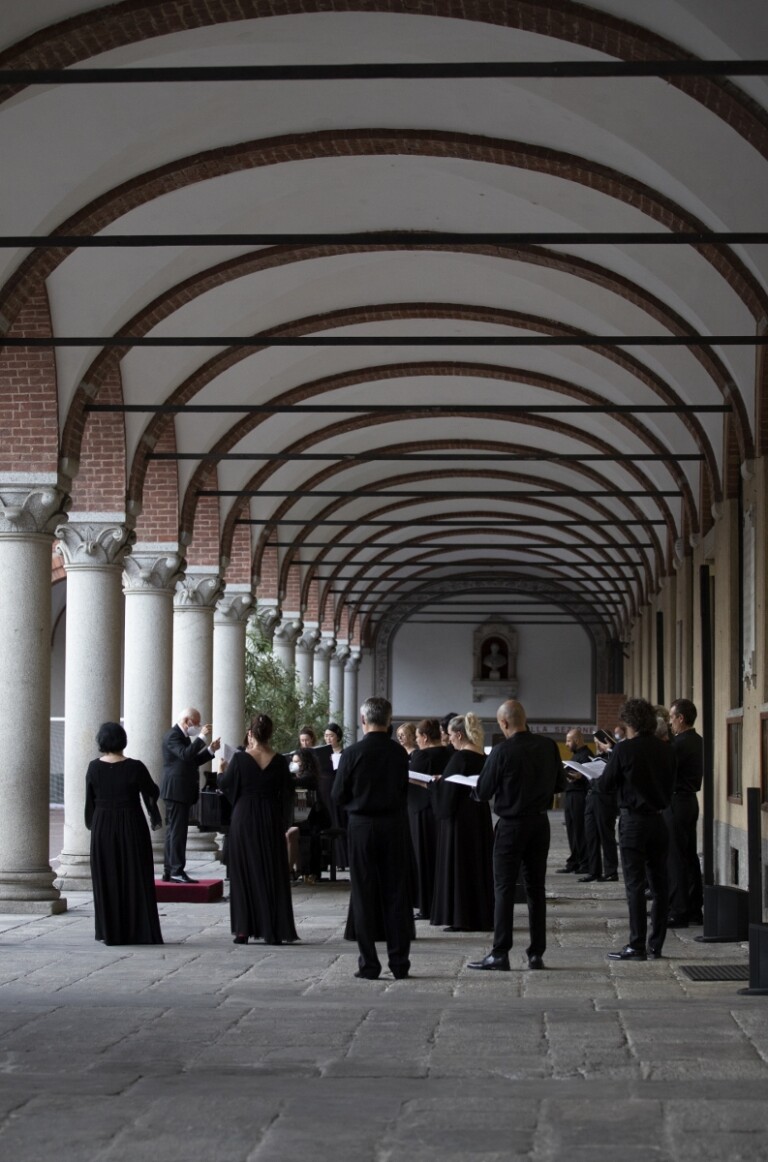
x,y
230,622
93,550
29,511
351,707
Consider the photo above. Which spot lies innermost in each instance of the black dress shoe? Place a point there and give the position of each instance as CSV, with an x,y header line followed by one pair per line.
x,y
491,963
629,953
451,928
652,955
166,877
588,879
420,916
184,878
565,871
535,962
366,975
613,878
677,921
240,940
400,975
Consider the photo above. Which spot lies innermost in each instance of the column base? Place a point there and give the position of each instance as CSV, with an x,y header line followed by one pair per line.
x,y
201,844
74,872
32,887
33,907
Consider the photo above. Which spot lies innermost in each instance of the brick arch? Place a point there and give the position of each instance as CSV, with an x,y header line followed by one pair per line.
x,y
219,363
100,484
490,474
422,537
363,423
236,433
133,21
338,143
29,406
428,555
731,462
107,361
158,501
554,506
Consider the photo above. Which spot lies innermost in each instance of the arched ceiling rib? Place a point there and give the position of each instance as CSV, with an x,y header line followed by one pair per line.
x,y
492,155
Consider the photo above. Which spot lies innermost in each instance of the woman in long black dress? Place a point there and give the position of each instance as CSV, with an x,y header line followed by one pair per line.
x,y
463,897
122,866
431,758
258,784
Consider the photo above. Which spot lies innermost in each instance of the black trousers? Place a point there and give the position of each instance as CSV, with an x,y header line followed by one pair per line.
x,y
644,844
575,806
176,824
520,843
379,885
686,894
600,834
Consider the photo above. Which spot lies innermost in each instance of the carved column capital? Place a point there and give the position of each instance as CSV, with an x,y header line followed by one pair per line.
x,y
352,664
341,653
152,568
234,605
32,502
288,631
267,618
197,589
95,539
307,643
325,647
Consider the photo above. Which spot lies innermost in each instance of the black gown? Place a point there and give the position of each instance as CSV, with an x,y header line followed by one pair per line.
x,y
260,902
463,896
122,865
430,761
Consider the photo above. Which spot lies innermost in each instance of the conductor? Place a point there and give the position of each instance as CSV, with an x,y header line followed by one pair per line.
x,y
185,748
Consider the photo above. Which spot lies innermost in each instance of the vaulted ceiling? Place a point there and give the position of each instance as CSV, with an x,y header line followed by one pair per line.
x,y
498,424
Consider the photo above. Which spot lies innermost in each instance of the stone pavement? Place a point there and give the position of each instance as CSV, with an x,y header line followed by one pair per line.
x,y
201,1049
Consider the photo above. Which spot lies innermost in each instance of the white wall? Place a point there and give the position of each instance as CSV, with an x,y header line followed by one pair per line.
x,y
432,672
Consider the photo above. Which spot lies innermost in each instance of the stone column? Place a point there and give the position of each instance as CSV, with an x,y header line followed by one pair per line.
x,y
321,662
229,625
286,635
149,582
351,705
195,600
337,681
32,506
305,652
93,547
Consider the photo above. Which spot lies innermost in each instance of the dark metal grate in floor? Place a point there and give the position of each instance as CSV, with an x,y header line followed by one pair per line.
x,y
716,971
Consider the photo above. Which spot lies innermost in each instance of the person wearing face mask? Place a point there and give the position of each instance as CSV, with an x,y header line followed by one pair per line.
x,y
185,750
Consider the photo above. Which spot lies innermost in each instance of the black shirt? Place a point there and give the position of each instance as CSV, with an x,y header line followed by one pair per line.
x,y
642,773
372,778
523,773
688,749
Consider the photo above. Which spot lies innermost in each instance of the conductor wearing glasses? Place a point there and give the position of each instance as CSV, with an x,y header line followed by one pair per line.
x,y
185,749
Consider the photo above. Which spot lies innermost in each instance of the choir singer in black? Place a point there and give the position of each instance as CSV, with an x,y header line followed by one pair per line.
x,y
372,784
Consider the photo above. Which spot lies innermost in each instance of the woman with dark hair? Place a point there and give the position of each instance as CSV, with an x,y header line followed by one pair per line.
x,y
258,784
463,897
122,867
431,759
